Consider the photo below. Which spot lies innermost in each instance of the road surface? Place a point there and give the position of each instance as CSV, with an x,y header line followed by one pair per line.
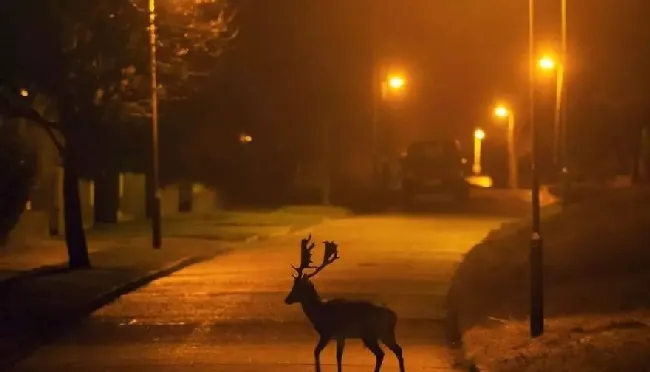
x,y
228,314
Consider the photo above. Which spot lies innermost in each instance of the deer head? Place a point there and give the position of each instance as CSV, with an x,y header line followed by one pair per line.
x,y
303,289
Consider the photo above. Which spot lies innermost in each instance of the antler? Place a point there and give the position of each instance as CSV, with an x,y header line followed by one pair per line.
x,y
305,256
331,254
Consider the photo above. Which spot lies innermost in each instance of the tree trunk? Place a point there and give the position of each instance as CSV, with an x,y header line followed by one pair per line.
x,y
75,236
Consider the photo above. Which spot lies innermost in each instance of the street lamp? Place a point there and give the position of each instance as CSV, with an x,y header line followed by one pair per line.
x,y
155,207
479,136
503,112
562,116
396,82
546,63
383,85
536,241
245,138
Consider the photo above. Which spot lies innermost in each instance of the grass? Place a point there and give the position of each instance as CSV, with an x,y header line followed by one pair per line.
x,y
596,259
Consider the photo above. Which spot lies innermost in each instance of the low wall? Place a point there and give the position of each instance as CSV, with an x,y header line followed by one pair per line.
x,y
132,196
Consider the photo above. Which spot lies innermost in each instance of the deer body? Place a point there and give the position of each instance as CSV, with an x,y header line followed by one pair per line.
x,y
341,319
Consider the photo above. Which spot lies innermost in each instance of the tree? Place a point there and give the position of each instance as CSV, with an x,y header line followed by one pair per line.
x,y
90,59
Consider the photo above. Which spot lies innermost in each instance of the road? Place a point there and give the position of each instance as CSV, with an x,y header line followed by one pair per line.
x,y
228,314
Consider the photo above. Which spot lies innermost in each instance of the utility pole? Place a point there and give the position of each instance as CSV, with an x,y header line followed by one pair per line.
x,y
155,198
564,145
536,242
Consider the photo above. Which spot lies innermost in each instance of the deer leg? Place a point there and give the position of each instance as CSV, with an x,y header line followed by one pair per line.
x,y
373,346
396,349
340,344
317,350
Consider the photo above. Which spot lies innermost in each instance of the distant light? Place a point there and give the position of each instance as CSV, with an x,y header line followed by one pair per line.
x,y
479,134
547,63
24,92
480,181
501,111
396,82
245,138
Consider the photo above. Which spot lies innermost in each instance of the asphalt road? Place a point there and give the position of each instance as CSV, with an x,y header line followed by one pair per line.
x,y
228,314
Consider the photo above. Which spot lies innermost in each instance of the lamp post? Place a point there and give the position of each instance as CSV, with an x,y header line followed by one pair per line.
x,y
479,135
563,144
536,241
383,86
504,112
155,207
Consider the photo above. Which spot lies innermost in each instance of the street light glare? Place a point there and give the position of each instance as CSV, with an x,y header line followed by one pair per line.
x,y
24,92
501,111
479,134
396,82
547,63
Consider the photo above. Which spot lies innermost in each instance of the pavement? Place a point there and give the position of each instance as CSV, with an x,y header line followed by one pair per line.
x,y
227,313
38,255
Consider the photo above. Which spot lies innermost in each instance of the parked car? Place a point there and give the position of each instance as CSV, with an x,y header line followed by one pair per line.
x,y
434,167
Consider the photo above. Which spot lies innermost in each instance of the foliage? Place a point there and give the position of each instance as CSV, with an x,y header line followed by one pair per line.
x,y
91,58
97,52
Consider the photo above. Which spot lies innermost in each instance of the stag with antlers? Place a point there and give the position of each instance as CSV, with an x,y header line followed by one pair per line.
x,y
341,319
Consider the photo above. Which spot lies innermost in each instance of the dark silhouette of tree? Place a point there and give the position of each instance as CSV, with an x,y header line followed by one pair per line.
x,y
90,60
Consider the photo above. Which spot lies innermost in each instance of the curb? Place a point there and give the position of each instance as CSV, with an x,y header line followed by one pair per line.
x,y
101,300
120,290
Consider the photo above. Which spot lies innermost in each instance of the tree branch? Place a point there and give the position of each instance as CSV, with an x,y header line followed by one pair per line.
x,y
30,114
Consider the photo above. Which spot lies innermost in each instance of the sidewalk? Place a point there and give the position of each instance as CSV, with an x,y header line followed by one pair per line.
x,y
228,225
42,255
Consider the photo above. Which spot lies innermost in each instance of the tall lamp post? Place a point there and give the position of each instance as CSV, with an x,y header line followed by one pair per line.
x,y
479,136
384,86
155,175
504,112
563,144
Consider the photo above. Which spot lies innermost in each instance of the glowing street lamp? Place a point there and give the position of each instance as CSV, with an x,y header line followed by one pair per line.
x,y
386,86
502,111
479,136
24,92
546,63
396,82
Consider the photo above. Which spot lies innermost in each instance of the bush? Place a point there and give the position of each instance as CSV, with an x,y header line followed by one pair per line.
x,y
17,170
596,255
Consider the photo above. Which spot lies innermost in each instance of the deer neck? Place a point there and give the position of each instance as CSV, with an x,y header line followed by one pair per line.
x,y
311,306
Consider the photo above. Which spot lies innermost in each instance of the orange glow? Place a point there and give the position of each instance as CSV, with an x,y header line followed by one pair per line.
x,y
479,134
546,63
396,82
501,111
24,92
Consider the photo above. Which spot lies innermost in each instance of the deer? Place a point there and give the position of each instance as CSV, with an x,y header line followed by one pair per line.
x,y
341,319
